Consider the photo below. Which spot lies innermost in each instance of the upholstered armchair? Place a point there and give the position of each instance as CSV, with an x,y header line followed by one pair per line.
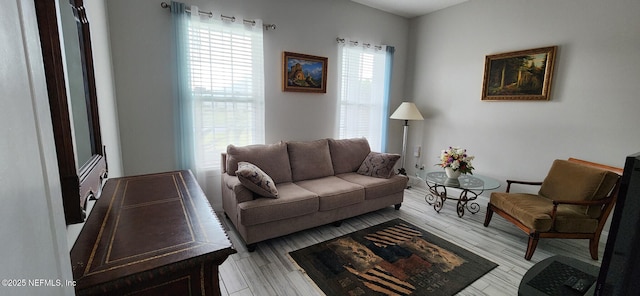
x,y
574,202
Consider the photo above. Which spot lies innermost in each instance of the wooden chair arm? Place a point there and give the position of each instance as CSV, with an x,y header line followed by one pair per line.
x,y
583,202
509,182
556,203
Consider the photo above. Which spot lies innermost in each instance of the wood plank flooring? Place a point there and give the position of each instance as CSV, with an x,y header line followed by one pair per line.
x,y
269,271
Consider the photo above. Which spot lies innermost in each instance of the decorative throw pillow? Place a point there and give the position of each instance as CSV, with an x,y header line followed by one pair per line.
x,y
256,180
379,165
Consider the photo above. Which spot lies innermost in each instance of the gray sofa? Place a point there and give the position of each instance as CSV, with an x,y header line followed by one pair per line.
x,y
318,182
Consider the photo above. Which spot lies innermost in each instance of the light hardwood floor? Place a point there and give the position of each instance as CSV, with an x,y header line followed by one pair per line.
x,y
269,271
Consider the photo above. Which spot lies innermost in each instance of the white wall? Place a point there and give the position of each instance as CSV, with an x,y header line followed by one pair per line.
x,y
105,91
33,232
105,88
593,112
142,54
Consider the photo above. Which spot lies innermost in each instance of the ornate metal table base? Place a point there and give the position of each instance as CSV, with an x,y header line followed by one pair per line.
x,y
470,188
438,195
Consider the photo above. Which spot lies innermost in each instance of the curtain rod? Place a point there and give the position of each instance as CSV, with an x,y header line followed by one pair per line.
x,y
224,17
355,43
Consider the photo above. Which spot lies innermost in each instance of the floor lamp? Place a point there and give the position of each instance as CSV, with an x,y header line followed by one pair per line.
x,y
407,111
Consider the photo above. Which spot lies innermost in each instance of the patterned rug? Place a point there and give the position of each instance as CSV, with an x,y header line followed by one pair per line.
x,y
392,258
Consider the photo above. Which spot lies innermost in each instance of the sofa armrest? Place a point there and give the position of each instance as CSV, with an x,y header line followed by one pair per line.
x,y
223,162
240,192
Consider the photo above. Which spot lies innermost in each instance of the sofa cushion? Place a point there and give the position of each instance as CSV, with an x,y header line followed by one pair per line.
x,y
535,212
348,154
334,192
377,187
273,159
310,159
379,165
293,201
256,180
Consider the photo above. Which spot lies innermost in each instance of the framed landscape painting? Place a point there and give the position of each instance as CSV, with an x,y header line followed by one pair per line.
x,y
304,73
519,75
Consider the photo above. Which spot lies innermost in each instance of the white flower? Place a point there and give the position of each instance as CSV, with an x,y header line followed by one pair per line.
x,y
457,159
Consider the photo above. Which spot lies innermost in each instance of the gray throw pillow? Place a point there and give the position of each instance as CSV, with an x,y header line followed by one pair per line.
x,y
256,180
379,165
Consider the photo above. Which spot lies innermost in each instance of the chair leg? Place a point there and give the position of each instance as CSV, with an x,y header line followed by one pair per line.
x,y
487,217
593,246
531,246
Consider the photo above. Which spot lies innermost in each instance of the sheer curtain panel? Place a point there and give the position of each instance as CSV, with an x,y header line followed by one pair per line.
x,y
365,72
220,97
220,90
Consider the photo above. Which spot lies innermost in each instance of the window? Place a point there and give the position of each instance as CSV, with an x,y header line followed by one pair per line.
x,y
224,101
364,93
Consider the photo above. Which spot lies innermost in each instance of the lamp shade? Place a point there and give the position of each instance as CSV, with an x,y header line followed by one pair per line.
x,y
407,111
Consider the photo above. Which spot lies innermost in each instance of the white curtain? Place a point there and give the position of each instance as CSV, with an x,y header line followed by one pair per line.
x,y
220,98
363,93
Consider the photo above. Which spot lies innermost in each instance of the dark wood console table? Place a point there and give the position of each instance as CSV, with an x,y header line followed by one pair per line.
x,y
150,235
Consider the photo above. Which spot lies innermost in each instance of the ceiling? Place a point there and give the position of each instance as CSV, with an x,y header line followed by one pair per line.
x,y
409,8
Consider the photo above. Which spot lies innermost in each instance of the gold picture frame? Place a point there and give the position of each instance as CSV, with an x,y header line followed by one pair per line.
x,y
304,73
519,75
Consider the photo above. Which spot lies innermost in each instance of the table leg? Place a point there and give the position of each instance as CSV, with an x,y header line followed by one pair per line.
x,y
436,198
466,202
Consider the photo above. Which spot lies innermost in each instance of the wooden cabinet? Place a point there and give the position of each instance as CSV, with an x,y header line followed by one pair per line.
x,y
151,235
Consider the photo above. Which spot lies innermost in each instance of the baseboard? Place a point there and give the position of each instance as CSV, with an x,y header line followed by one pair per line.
x,y
416,182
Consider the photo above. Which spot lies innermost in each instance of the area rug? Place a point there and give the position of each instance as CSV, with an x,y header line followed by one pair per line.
x,y
392,258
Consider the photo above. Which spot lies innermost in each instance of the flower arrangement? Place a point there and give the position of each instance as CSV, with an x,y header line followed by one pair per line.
x,y
457,159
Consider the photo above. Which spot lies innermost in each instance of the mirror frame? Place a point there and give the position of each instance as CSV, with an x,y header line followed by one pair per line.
x,y
77,184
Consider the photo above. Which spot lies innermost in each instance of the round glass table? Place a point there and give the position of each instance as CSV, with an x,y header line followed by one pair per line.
x,y
471,186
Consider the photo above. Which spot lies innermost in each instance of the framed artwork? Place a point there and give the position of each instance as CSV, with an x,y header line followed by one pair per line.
x,y
519,75
304,73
